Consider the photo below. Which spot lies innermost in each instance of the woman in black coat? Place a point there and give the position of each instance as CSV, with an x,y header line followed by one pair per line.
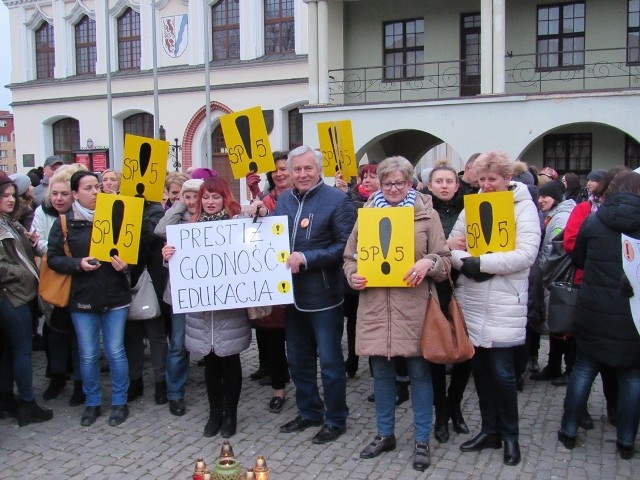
x,y
605,332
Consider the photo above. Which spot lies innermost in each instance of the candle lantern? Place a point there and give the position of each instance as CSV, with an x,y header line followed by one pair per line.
x,y
227,469
260,469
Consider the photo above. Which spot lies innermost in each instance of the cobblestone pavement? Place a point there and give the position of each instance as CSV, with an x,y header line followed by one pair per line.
x,y
152,444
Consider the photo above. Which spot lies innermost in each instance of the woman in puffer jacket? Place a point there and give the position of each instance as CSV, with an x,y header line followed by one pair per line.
x,y
218,335
492,290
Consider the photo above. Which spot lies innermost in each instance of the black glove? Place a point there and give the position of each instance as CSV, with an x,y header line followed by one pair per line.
x,y
471,268
626,290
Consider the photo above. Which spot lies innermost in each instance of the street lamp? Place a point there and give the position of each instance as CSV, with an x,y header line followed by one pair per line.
x,y
175,148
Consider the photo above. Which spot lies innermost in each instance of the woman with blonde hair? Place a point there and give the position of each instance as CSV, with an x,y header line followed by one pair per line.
x,y
390,318
492,290
111,180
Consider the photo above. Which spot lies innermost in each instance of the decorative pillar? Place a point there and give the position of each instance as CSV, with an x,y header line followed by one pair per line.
x,y
499,46
486,47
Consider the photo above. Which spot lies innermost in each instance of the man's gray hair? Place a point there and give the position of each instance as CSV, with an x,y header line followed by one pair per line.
x,y
301,150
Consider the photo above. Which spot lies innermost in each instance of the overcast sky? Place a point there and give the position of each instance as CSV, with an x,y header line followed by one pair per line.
x,y
5,58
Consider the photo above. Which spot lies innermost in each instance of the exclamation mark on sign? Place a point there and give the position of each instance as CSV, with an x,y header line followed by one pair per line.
x,y
244,129
486,221
384,230
335,146
143,163
117,217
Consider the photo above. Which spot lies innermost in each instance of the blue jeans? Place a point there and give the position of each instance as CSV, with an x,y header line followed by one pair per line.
x,y
384,389
177,358
88,327
15,325
494,374
311,335
575,401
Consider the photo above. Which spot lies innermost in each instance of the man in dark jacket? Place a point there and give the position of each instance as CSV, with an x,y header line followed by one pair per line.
x,y
468,178
320,221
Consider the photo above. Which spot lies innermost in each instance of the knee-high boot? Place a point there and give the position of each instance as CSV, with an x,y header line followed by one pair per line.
x,y
214,393
232,385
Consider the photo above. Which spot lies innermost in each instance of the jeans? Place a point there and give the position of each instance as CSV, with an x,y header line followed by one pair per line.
x,y
312,335
494,374
16,359
88,327
177,358
384,389
575,402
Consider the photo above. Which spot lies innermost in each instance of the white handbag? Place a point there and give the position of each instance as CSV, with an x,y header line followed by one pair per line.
x,y
144,302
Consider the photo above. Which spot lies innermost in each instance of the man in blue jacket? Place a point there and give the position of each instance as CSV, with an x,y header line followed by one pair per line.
x,y
320,221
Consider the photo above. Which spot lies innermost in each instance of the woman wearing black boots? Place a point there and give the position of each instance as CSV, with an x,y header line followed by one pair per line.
x,y
218,335
447,201
18,288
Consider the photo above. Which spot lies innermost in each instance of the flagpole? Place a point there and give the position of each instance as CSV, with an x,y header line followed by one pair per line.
x,y
156,108
109,99
207,82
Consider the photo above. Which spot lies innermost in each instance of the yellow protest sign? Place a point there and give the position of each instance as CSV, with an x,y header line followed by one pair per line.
x,y
144,167
385,245
247,141
116,228
491,223
336,145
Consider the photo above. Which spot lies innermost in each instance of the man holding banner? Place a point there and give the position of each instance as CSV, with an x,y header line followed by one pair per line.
x,y
320,221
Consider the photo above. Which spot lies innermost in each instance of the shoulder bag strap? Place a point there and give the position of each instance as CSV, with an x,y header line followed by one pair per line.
x,y
65,233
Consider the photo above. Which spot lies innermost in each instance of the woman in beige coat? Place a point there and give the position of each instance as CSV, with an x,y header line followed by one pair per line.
x,y
390,319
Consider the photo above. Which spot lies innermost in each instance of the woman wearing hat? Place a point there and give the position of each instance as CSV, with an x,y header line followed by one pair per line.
x,y
178,357
18,289
556,211
24,211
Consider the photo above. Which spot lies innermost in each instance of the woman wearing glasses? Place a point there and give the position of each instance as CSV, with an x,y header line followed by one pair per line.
x,y
390,319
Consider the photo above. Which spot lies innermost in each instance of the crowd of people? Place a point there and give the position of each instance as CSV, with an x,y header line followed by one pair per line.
x,y
503,295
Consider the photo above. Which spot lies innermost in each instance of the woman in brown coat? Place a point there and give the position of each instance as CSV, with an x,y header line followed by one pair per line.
x,y
390,319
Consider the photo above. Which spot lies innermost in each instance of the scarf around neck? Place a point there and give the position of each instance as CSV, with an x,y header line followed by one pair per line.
x,y
380,202
221,215
84,212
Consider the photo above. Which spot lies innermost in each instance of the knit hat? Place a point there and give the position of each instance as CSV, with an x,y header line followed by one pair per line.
x,y
22,181
192,185
596,175
522,174
554,189
4,179
204,173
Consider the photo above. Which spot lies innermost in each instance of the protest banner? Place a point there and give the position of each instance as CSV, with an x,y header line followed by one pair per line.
x,y
247,142
230,264
117,223
491,223
338,153
144,167
631,267
385,245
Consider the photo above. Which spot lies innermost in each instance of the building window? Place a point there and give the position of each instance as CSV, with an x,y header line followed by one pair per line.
x,y
279,32
403,49
226,29
66,138
140,124
45,51
129,40
561,36
85,46
4,138
4,154
569,152
3,123
4,168
295,128
633,32
631,152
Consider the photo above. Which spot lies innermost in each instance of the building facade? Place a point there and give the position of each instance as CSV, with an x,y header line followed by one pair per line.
x,y
7,145
551,82
66,98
